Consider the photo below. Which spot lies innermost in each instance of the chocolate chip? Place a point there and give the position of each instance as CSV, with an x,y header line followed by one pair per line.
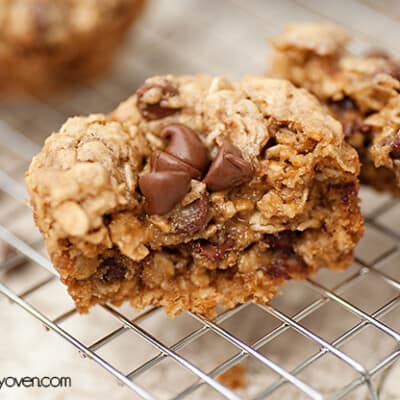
x,y
163,190
186,145
193,217
112,269
152,111
286,266
171,171
107,218
395,147
162,161
282,241
229,169
343,105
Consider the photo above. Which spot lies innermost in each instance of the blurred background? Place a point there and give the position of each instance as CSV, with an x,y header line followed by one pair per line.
x,y
224,37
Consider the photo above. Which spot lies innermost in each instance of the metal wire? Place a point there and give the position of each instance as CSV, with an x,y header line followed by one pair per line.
x,y
15,144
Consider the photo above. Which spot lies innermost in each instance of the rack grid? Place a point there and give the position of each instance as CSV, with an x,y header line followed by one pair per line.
x,y
165,41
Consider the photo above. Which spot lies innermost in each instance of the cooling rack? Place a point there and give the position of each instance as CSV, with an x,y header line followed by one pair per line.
x,y
224,37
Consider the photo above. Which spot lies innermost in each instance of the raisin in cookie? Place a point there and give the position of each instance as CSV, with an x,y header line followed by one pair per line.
x,y
314,56
195,192
48,44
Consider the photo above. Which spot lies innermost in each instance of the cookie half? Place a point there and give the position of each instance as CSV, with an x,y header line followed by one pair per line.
x,y
197,192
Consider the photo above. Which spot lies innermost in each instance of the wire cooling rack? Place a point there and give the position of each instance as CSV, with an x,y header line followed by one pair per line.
x,y
224,37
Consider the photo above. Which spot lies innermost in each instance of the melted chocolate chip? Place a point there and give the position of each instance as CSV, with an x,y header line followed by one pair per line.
x,y
282,241
340,107
347,111
286,266
212,252
352,122
113,270
395,147
161,161
163,190
186,145
193,217
154,111
229,169
277,269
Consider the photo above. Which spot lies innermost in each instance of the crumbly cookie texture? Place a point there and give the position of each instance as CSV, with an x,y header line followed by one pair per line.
x,y
314,56
47,45
251,184
385,146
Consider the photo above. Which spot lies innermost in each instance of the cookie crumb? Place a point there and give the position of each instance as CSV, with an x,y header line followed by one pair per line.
x,y
234,377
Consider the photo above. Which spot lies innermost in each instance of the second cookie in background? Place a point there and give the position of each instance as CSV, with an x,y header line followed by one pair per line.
x,y
49,45
362,91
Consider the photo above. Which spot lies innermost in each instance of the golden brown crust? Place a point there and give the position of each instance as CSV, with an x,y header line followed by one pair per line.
x,y
48,45
314,56
299,212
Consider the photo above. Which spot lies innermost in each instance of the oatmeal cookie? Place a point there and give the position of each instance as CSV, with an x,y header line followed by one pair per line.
x,y
354,87
48,44
195,192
